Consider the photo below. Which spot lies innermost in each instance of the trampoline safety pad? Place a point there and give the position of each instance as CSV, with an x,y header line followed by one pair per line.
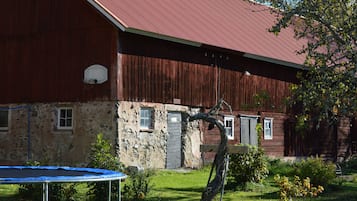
x,y
54,174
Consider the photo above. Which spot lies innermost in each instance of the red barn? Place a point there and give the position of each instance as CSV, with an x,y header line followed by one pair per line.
x,y
132,69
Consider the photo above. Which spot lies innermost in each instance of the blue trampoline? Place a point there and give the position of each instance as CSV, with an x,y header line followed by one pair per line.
x,y
53,174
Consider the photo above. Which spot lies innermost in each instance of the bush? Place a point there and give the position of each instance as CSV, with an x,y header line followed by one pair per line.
x,y
101,156
319,171
297,188
57,192
277,166
138,185
350,165
247,167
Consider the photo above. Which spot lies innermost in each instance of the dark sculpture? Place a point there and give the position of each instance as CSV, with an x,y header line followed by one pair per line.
x,y
216,184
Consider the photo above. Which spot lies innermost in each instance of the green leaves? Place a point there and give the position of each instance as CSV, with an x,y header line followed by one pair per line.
x,y
247,167
328,90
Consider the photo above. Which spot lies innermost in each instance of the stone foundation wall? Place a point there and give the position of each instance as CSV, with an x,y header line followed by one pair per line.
x,y
147,148
42,141
118,121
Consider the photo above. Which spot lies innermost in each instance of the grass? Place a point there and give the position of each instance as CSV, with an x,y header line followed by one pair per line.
x,y
188,186
8,192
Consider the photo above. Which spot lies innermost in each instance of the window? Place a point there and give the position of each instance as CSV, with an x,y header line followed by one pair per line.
x,y
229,126
268,128
146,121
248,132
65,118
4,120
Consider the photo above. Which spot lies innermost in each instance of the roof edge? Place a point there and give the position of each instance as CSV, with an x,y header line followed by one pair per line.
x,y
275,61
123,27
111,17
163,37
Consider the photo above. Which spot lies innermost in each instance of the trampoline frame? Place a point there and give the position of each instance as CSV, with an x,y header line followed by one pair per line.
x,y
94,175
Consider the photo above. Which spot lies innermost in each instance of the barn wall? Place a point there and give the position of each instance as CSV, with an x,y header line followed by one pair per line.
x,y
148,148
43,142
274,147
168,81
45,47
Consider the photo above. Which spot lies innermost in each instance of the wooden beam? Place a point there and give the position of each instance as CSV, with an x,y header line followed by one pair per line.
x,y
232,149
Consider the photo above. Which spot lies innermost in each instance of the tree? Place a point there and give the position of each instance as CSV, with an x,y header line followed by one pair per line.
x,y
216,184
328,90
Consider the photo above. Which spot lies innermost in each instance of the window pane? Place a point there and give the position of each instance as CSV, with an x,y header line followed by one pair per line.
x,y
69,113
69,123
62,122
4,119
65,118
62,113
229,132
145,118
229,127
268,131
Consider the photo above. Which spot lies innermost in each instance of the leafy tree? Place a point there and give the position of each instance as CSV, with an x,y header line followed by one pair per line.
x,y
328,90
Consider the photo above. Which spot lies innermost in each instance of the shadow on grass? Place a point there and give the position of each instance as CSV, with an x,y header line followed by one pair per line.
x,y
8,198
189,189
340,193
176,194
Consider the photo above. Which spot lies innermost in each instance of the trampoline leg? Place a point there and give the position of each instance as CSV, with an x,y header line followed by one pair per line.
x,y
45,192
119,192
110,191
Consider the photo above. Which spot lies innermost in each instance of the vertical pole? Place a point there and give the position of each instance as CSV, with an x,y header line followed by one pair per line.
x,y
110,191
45,191
119,191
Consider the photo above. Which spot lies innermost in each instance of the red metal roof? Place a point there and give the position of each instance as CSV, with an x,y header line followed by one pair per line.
x,y
231,24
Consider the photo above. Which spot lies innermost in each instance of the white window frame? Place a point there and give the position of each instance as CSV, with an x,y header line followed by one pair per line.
x,y
59,118
146,118
229,130
4,129
268,128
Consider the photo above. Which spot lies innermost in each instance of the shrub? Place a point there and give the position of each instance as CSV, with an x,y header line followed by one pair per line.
x,y
247,167
319,171
138,185
101,156
57,192
277,166
350,165
297,188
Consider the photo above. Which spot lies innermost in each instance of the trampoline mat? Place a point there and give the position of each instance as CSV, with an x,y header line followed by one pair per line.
x,y
28,172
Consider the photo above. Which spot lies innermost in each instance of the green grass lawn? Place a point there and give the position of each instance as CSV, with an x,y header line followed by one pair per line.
x,y
188,186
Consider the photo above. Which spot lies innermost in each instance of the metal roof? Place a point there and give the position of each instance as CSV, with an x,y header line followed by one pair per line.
x,y
236,25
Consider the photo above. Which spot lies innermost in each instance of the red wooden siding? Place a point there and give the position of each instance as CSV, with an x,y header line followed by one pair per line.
x,y
275,146
160,71
45,47
162,80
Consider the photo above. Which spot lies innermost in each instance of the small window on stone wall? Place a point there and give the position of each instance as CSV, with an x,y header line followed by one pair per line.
x,y
146,118
65,118
4,120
